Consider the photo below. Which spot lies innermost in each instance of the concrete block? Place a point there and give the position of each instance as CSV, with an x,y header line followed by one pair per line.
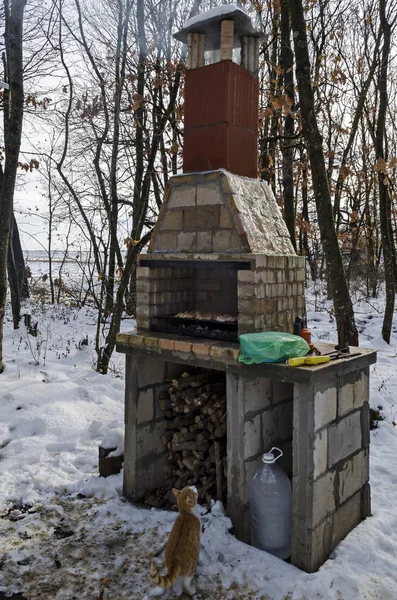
x,y
277,423
365,425
324,406
149,439
237,482
143,286
182,196
142,298
204,241
261,261
256,393
208,194
225,218
344,438
142,311
142,323
252,437
246,324
245,290
282,391
353,475
239,223
231,200
323,498
272,262
352,395
320,453
165,241
245,276
225,240
260,291
346,518
184,179
186,241
201,218
301,303
145,406
267,276
151,371
172,220
249,305
365,501
142,272
311,547
362,387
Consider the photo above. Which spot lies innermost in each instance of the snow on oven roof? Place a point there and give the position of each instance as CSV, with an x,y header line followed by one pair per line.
x,y
208,23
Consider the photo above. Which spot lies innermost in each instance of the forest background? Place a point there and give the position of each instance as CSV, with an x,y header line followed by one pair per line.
x,y
93,130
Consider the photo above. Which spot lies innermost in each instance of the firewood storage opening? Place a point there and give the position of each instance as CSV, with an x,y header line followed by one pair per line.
x,y
193,406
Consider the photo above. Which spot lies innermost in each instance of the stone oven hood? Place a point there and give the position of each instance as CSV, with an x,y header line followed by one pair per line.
x,y
218,212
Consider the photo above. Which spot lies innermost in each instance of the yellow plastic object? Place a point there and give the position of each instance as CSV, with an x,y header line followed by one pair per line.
x,y
307,360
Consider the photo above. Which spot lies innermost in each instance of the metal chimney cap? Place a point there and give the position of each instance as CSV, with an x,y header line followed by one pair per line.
x,y
209,24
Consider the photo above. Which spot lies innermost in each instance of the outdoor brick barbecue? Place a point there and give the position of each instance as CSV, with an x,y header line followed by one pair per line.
x,y
220,247
220,264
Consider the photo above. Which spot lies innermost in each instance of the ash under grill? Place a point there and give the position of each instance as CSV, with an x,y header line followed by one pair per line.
x,y
200,328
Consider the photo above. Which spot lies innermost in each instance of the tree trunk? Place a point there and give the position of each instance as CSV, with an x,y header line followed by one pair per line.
x,y
384,198
347,331
287,150
13,285
120,66
19,262
13,116
104,355
17,280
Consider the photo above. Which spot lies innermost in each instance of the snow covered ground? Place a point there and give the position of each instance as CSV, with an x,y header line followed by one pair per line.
x,y
66,533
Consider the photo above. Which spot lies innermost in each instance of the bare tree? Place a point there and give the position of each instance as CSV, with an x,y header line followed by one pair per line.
x,y
347,331
381,156
13,111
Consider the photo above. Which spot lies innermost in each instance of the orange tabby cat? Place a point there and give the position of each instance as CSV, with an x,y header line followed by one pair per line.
x,y
183,546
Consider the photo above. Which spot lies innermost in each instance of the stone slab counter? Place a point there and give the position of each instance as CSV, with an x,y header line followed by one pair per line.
x,y
318,415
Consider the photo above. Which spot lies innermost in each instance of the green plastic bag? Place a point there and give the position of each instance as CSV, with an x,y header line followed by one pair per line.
x,y
271,347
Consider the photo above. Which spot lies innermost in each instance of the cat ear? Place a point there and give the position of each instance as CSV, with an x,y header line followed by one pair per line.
x,y
176,492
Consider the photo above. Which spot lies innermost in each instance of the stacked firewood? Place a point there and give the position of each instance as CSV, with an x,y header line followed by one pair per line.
x,y
195,411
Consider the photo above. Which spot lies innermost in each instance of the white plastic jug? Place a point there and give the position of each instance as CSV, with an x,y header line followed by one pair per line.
x,y
271,508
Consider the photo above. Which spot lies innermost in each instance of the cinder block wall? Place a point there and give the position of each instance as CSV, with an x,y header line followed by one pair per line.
x,y
272,295
331,450
145,455
260,415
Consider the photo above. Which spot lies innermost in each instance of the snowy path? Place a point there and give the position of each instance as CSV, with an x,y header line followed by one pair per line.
x,y
79,537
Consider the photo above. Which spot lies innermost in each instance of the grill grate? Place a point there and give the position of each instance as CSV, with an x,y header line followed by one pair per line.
x,y
214,330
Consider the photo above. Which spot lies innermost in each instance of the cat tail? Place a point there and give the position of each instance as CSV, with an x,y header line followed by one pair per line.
x,y
168,580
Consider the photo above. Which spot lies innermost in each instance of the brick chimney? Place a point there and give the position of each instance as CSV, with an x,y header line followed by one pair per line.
x,y
221,92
